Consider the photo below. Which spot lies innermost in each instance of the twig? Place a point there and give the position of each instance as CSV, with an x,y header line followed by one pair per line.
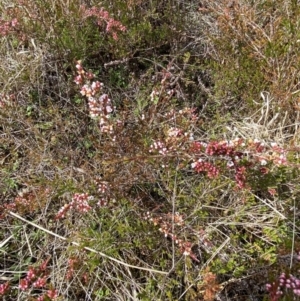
x,y
3,243
270,206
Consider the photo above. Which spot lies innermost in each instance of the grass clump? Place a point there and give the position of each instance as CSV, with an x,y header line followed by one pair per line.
x,y
253,50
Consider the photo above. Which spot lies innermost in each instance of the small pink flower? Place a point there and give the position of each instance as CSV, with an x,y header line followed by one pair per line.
x,y
90,75
78,66
4,287
78,80
24,284
52,294
40,282
31,274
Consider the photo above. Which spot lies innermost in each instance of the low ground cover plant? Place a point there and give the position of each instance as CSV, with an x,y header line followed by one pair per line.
x,y
146,157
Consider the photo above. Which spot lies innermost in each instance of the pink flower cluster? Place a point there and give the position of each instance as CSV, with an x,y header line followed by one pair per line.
x,y
72,262
50,294
7,27
206,167
176,139
102,16
238,154
79,203
159,147
240,176
4,287
103,189
236,149
37,278
100,107
284,284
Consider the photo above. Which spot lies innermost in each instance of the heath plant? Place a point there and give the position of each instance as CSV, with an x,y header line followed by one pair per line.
x,y
155,159
128,172
244,163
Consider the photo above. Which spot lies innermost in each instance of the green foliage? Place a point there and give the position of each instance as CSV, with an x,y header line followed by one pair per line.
x,y
118,77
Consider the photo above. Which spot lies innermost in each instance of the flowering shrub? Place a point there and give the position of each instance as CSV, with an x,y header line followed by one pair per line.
x,y
286,285
144,172
240,156
103,16
100,107
241,160
83,202
37,278
80,203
